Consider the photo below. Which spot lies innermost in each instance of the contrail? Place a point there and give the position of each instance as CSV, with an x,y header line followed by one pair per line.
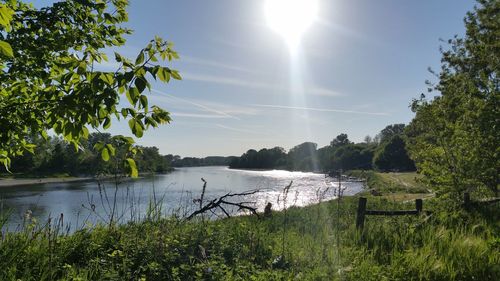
x,y
320,109
196,104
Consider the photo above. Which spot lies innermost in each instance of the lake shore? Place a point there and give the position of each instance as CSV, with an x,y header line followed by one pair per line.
x,y
9,182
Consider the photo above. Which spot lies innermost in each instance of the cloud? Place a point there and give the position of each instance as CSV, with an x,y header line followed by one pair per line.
x,y
349,33
199,61
198,115
204,107
236,129
317,91
323,92
320,109
223,80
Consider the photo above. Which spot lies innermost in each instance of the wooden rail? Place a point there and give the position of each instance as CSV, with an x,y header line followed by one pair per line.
x,y
468,202
362,211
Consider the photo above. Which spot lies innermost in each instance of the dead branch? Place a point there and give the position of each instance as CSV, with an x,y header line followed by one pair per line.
x,y
222,201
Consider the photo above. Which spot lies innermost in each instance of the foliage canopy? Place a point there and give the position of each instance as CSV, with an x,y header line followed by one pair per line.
x,y
49,77
454,138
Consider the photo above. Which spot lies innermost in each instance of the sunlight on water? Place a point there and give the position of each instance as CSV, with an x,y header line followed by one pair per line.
x,y
83,203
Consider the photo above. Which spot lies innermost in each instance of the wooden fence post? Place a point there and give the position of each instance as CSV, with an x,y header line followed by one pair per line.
x,y
418,205
467,200
360,218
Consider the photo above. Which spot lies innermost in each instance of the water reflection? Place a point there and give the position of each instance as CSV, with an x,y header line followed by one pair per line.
x,y
84,203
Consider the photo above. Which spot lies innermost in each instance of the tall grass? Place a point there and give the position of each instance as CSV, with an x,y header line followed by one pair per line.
x,y
321,243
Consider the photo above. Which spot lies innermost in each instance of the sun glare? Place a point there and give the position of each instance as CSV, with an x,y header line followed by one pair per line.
x,y
291,18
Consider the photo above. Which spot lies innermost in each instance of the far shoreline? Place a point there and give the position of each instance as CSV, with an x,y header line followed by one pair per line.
x,y
11,182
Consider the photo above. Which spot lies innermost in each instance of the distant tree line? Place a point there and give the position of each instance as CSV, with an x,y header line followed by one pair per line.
x,y
385,152
177,161
55,156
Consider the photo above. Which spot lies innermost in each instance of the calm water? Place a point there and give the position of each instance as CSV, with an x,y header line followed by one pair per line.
x,y
85,203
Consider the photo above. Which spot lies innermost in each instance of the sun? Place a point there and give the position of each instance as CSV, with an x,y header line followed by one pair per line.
x,y
291,18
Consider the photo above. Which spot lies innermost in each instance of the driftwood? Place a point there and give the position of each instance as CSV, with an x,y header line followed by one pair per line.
x,y
222,203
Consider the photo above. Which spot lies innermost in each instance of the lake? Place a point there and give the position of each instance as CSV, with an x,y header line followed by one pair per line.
x,y
85,203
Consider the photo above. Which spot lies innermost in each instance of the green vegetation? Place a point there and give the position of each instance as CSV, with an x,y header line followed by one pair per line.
x,y
205,161
384,183
387,152
454,137
54,157
49,77
48,82
317,242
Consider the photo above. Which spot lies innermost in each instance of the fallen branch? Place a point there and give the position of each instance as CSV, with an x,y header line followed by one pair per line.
x,y
221,202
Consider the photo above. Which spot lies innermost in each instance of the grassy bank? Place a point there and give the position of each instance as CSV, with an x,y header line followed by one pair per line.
x,y
316,242
398,186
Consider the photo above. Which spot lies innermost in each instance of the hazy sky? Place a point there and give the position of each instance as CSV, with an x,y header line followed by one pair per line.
x,y
357,69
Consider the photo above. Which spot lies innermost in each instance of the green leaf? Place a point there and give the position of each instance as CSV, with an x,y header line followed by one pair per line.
x,y
108,78
140,83
164,74
131,125
85,132
133,168
132,95
6,49
111,149
102,113
136,127
98,146
105,154
140,58
139,131
144,101
5,15
107,123
6,163
176,75
118,57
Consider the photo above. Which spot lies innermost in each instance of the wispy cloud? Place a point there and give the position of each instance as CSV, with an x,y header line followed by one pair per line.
x,y
198,115
199,61
236,129
317,91
204,107
222,80
319,109
348,32
323,92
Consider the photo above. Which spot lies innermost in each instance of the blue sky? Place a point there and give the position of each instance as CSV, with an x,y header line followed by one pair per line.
x,y
357,69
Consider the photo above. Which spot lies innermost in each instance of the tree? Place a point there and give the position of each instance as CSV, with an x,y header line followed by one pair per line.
x,y
352,156
392,156
389,131
340,140
303,157
49,78
454,137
